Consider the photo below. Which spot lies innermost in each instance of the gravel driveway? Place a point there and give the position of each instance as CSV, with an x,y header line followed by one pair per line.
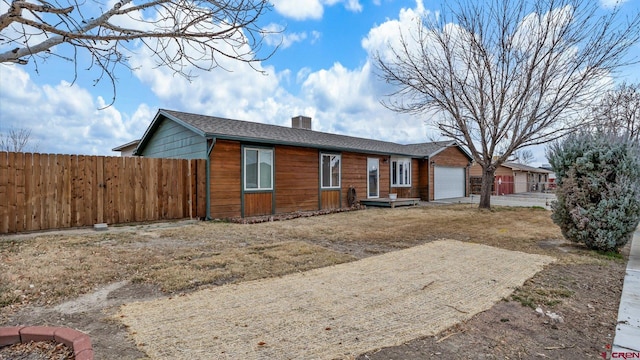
x,y
334,312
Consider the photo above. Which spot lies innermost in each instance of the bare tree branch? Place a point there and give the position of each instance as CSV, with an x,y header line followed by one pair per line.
x,y
17,140
522,156
180,33
508,74
618,113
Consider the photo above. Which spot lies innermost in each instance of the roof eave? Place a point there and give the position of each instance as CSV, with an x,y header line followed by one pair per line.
x,y
130,143
313,146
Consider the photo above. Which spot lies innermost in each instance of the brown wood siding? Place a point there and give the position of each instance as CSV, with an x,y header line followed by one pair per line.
x,y
296,179
257,203
423,179
225,184
354,173
452,157
330,199
385,176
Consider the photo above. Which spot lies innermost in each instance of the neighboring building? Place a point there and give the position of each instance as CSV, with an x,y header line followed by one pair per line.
x,y
259,169
552,176
512,178
128,148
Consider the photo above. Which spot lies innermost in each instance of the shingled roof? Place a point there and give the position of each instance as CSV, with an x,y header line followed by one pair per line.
x,y
221,128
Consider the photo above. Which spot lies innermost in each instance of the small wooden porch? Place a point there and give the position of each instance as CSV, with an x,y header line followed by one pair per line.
x,y
392,203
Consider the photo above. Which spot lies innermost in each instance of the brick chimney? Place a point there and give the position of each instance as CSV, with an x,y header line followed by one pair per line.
x,y
301,122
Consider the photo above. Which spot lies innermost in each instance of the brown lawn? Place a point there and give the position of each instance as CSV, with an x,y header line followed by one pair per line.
x,y
46,269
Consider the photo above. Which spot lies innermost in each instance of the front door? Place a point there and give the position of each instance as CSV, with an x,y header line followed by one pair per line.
x,y
373,184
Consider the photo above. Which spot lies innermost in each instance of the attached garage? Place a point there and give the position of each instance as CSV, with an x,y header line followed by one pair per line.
x,y
449,182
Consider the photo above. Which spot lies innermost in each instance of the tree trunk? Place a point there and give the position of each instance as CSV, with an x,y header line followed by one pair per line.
x,y
488,174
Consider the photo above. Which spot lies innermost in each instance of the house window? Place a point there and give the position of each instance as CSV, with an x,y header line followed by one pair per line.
x,y
401,172
330,171
258,169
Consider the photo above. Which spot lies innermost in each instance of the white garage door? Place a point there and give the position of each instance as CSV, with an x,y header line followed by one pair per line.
x,y
448,182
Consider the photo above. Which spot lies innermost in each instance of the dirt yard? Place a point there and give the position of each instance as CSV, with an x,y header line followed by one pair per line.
x,y
81,278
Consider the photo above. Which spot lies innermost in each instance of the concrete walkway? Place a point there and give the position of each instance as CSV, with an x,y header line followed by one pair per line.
x,y
523,199
627,337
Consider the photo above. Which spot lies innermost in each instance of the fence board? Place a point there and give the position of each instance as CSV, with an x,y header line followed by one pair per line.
x,y
36,193
164,193
180,189
77,192
87,184
100,190
137,191
56,183
109,190
4,205
28,190
21,205
125,190
48,191
151,189
64,163
91,190
119,187
11,192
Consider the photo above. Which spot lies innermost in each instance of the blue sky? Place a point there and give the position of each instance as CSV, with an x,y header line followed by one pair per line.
x,y
323,70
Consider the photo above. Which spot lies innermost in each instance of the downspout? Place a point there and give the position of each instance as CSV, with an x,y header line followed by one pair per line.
x,y
209,150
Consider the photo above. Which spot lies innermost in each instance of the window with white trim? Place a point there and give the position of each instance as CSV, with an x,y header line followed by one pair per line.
x,y
401,172
330,171
258,169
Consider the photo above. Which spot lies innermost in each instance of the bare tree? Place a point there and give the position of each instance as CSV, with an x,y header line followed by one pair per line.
x,y
506,74
180,33
17,140
618,113
522,156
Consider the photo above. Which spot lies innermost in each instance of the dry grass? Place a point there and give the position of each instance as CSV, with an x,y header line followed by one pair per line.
x,y
48,268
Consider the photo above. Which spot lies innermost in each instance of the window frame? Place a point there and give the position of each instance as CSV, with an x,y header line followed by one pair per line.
x,y
331,185
397,177
244,168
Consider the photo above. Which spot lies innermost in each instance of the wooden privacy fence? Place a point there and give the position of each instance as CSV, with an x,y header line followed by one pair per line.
x,y
46,191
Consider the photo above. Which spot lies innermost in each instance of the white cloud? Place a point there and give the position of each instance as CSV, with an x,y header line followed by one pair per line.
x,y
277,36
299,9
385,36
239,92
315,36
63,118
612,3
302,74
353,5
340,89
311,9
339,99
347,102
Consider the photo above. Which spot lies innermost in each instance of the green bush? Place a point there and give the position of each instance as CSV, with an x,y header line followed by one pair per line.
x,y
598,189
